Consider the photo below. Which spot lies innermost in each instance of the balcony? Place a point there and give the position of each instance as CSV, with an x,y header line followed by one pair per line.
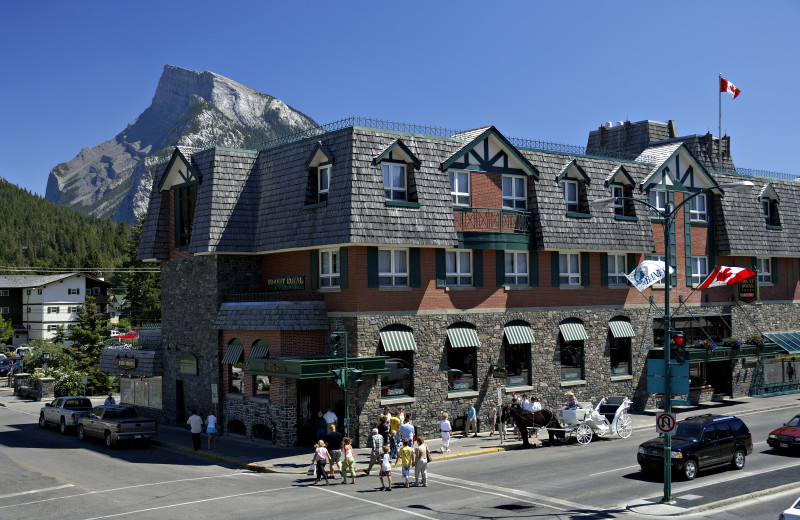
x,y
493,228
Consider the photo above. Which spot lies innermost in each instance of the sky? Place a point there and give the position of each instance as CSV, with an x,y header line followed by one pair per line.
x,y
74,74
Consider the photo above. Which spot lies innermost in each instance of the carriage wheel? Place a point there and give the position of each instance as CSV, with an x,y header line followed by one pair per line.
x,y
583,434
624,425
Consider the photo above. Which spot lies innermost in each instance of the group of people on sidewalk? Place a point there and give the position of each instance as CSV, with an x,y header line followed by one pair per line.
x,y
196,425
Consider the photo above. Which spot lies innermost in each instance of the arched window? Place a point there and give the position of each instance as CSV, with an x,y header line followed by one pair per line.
x,y
517,353
572,338
397,342
462,354
234,366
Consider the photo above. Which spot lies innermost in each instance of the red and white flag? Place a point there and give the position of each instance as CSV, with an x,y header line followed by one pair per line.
x,y
724,275
727,86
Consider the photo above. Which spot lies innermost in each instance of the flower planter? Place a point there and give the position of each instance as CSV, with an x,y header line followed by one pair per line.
x,y
700,394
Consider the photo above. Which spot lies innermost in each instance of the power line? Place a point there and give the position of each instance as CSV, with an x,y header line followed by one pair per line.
x,y
89,270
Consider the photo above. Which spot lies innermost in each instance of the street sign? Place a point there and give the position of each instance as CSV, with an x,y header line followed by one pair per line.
x,y
678,381
85,379
665,422
214,393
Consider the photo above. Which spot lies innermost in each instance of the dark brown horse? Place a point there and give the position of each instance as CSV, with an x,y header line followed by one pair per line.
x,y
538,419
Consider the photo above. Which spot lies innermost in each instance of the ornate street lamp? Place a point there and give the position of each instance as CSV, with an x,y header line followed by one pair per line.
x,y
45,356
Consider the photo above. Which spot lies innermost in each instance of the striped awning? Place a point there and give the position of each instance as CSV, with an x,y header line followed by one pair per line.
x,y
518,334
233,354
621,328
463,337
573,330
788,341
260,351
398,340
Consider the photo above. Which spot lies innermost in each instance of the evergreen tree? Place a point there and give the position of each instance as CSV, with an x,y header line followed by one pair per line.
x,y
88,348
143,289
6,331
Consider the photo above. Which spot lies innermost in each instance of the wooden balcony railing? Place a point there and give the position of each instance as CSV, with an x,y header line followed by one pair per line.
x,y
496,220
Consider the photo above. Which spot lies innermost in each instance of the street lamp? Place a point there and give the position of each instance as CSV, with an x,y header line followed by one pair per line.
x,y
22,361
667,216
45,356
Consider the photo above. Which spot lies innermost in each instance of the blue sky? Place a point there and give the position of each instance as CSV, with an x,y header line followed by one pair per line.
x,y
74,74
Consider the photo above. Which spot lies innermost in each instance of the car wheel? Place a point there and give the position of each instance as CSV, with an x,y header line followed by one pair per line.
x,y
689,469
62,427
738,459
42,422
110,440
81,433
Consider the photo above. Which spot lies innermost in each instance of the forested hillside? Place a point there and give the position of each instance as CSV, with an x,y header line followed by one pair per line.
x,y
37,233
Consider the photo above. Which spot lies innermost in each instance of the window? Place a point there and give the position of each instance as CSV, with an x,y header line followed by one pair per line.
x,y
95,291
459,188
5,310
461,364
52,328
39,292
392,268
516,268
659,199
394,180
73,309
571,195
764,268
187,197
620,356
616,270
518,363
618,205
765,210
73,291
571,360
234,366
569,271
28,292
698,210
324,179
329,268
514,192
398,382
770,209
699,269
3,292
661,258
459,268
52,310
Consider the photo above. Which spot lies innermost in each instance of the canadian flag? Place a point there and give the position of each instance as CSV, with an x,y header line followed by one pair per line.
x,y
727,86
724,275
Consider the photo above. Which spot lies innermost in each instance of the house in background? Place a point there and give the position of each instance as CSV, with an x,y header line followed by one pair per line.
x,y
37,305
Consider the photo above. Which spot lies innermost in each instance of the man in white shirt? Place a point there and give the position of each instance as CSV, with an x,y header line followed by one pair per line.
x,y
535,406
330,420
526,404
195,422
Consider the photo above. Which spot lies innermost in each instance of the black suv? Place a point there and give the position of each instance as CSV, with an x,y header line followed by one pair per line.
x,y
700,442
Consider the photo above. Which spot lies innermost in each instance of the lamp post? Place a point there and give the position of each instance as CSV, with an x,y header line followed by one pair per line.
x,y
22,361
668,215
45,356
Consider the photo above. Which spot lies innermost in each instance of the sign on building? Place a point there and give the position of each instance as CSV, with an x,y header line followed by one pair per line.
x,y
188,364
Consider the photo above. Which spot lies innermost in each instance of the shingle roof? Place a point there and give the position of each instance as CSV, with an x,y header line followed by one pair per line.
x,y
22,281
148,362
299,315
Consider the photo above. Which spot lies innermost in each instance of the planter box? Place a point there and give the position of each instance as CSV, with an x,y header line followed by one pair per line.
x,y
699,395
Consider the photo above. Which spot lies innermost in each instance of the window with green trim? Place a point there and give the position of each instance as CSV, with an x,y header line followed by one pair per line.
x,y
764,269
324,178
698,209
329,273
569,269
571,195
769,208
516,268
187,199
616,270
514,192
659,199
393,268
459,188
458,268
394,181
699,269
571,353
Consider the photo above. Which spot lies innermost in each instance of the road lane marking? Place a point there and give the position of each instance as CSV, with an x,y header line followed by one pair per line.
x,y
34,468
616,469
192,502
373,502
10,495
545,501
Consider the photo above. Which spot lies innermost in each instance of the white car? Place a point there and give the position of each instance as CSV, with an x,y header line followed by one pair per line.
x,y
793,513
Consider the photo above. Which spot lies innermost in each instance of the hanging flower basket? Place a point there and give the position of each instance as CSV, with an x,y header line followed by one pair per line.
x,y
732,343
756,340
706,344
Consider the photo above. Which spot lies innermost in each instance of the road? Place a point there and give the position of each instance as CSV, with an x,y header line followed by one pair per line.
x,y
46,475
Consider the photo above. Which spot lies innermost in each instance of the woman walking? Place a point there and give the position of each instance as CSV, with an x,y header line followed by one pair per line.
x,y
422,455
349,463
211,429
446,429
321,457
494,414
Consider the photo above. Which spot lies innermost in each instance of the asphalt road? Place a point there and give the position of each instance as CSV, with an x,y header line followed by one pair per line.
x,y
46,475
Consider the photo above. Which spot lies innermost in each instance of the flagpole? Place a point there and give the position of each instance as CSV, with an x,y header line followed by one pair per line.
x,y
719,96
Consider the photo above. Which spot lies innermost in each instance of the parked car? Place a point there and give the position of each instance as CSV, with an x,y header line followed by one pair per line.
x,y
700,442
793,513
6,363
262,382
64,412
787,437
116,423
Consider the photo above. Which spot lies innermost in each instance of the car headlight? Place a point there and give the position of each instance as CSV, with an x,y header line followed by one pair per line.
x,y
797,439
642,450
676,455
773,436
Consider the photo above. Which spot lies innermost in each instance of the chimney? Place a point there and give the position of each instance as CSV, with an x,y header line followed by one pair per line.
x,y
672,129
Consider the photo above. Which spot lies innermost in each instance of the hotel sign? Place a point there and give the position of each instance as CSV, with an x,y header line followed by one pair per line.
x,y
188,364
748,289
126,363
287,283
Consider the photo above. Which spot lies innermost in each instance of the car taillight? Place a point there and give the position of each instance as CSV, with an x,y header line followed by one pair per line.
x,y
119,428
751,439
72,416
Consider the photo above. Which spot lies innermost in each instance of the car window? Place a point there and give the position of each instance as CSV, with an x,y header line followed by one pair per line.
x,y
722,431
709,434
794,421
739,428
691,432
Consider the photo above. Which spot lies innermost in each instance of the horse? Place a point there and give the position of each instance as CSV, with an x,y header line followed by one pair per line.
x,y
539,419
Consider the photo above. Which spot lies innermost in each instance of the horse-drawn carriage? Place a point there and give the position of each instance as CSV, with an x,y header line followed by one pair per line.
x,y
586,421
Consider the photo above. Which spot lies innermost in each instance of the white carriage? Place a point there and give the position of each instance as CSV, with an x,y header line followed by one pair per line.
x,y
610,416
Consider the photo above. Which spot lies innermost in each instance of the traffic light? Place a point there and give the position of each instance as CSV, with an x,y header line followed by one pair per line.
x,y
355,378
336,342
677,345
339,377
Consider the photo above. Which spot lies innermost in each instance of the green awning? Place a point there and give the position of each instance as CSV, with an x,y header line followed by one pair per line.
x,y
233,354
463,337
788,341
621,328
518,334
260,351
398,340
573,330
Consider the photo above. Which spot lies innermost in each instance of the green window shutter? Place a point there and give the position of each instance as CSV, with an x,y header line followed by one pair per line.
x,y
372,267
313,263
554,278
414,267
604,269
753,262
631,261
477,265
774,270
343,267
533,258
585,269
441,269
500,267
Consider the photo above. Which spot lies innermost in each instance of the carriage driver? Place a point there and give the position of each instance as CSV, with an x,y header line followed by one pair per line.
x,y
572,402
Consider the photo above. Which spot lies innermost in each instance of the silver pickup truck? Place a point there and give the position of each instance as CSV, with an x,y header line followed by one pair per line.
x,y
64,412
117,423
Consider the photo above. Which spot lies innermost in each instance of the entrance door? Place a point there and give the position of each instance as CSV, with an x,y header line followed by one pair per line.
x,y
314,396
719,374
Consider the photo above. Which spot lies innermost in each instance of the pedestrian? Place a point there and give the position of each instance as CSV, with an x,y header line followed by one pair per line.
x,y
195,422
536,406
330,420
526,403
406,455
321,457
394,427
349,461
494,415
444,427
789,371
383,429
471,424
388,413
401,414
335,448
407,431
422,454
211,429
109,400
505,416
321,429
376,444
386,469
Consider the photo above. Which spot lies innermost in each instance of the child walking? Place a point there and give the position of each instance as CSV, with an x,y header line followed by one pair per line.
x,y
406,454
386,469
444,427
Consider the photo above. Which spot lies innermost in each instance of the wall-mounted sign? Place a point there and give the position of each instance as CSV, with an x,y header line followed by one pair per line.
x,y
188,364
748,289
287,283
126,363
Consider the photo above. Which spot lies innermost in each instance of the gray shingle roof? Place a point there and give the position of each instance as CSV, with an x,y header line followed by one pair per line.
x,y
148,362
23,281
300,315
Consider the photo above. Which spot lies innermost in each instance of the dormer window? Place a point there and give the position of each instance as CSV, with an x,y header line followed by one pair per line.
x,y
394,181
319,165
514,192
324,176
574,183
659,199
769,206
459,188
571,196
186,199
698,208
397,164
621,185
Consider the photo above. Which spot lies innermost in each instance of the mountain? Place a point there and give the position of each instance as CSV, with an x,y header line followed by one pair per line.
x,y
114,178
